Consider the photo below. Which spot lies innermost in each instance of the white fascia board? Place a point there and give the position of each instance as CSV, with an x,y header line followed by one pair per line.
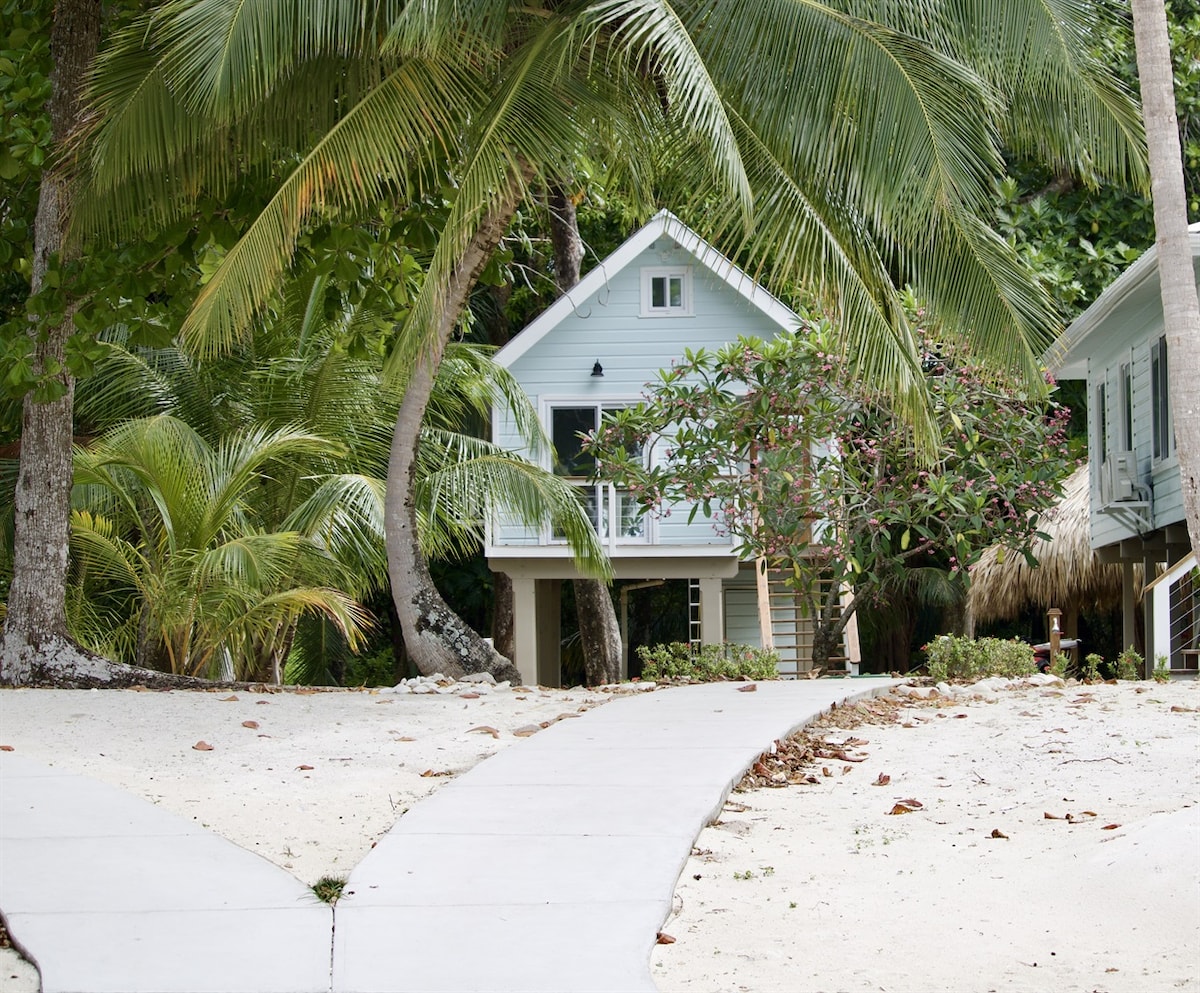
x,y
1067,357
662,223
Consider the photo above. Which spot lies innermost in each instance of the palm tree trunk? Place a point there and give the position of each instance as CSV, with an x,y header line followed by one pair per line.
x,y
1177,278
599,631
504,631
36,647
436,638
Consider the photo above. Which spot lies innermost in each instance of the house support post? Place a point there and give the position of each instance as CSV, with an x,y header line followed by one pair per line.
x,y
1128,605
525,639
712,611
549,632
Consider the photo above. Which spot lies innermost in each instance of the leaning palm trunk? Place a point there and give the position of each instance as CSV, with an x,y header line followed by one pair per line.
x,y
436,638
1177,278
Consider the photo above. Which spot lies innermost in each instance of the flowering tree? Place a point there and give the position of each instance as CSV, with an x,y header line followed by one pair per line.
x,y
813,473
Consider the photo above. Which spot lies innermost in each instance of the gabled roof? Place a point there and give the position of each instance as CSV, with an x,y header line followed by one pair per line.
x,y
1067,357
664,223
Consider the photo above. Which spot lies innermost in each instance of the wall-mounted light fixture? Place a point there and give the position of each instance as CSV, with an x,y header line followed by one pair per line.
x,y
597,369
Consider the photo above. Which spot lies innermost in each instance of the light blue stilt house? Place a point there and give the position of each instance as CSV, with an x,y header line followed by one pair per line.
x,y
663,290
1119,347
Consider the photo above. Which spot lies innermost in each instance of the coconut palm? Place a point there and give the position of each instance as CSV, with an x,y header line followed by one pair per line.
x,y
1177,277
844,145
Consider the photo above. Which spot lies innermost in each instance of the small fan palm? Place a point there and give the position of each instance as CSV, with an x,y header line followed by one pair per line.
x,y
167,523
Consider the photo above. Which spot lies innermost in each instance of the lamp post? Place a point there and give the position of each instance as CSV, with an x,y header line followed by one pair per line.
x,y
1054,616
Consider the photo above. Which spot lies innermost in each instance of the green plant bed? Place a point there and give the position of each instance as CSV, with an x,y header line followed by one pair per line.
x,y
968,659
707,663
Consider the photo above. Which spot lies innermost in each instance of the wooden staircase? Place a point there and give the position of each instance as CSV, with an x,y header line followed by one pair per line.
x,y
786,627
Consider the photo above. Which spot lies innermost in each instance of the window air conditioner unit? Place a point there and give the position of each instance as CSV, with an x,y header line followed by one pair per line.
x,y
1118,478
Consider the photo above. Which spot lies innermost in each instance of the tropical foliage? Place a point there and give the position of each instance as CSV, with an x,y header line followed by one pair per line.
x,y
335,106
814,473
311,375
173,567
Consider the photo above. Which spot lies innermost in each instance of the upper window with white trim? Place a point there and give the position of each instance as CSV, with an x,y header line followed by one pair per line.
x,y
667,291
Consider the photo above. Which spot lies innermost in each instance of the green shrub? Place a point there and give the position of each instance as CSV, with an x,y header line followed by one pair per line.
x,y
708,662
968,659
1060,664
1129,665
1162,669
376,669
1091,667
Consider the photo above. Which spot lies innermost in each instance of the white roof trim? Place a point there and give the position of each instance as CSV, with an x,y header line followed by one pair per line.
x,y
662,223
1065,350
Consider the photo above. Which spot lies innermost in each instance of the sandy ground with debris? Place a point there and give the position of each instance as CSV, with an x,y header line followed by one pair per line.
x,y
1034,840
1004,873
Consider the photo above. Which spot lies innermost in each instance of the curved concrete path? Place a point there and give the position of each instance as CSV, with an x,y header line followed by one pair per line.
x,y
550,866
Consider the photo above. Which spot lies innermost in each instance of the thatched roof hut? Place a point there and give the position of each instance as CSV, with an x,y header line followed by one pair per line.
x,y
1068,575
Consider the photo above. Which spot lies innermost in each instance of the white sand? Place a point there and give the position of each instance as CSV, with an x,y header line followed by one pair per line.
x,y
844,896
840,895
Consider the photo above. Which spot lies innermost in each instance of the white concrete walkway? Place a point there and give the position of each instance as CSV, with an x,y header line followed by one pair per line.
x,y
548,867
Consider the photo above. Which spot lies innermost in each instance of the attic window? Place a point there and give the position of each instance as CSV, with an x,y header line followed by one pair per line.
x,y
667,292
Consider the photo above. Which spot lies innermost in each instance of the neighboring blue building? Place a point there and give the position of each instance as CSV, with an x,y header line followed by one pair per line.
x,y
664,290
1118,346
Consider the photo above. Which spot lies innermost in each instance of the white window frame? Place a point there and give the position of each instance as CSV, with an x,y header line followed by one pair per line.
x,y
606,492
651,273
1162,418
1125,385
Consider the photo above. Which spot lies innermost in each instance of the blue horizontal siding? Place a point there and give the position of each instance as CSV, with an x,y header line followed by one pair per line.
x,y
607,328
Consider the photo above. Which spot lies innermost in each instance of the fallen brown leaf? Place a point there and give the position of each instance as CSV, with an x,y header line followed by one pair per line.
x,y
748,688
229,699
304,768
405,739
1051,817
882,780
906,807
307,692
527,730
259,703
959,717
663,938
7,748
202,746
1110,827
139,688
468,696
1182,710
825,771
997,833
252,725
485,729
